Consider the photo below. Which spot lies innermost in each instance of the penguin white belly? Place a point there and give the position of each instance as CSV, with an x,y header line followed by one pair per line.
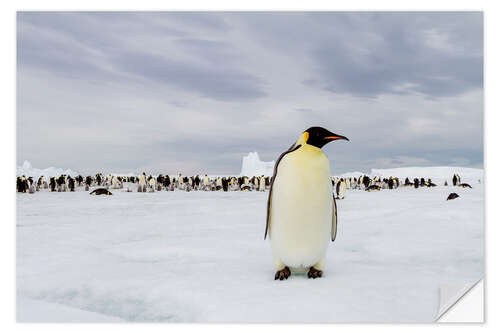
x,y
301,209
262,184
342,190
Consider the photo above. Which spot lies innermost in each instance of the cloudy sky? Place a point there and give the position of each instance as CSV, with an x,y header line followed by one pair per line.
x,y
194,92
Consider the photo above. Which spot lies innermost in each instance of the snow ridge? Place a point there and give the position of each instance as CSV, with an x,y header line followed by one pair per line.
x,y
27,170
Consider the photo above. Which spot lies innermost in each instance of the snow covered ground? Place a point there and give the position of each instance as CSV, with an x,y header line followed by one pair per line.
x,y
30,310
201,257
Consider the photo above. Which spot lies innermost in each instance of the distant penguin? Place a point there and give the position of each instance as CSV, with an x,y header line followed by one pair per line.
x,y
30,185
464,185
301,209
21,184
159,182
88,182
233,184
372,188
52,184
71,184
416,182
142,183
225,184
61,183
390,183
152,184
366,181
100,191
206,183
114,182
452,196
341,189
430,183
40,183
455,180
268,182
262,183
79,180
445,183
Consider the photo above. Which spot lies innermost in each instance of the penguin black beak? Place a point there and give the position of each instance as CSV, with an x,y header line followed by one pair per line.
x,y
335,137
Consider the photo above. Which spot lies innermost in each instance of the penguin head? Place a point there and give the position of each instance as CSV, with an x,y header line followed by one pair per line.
x,y
319,136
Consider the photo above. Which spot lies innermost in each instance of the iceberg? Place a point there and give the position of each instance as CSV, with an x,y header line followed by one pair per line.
x,y
27,170
253,166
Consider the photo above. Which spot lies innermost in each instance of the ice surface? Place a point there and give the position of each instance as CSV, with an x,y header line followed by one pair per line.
x,y
200,257
30,310
253,166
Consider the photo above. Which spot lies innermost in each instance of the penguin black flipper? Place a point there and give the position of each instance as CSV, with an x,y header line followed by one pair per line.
x,y
334,219
268,218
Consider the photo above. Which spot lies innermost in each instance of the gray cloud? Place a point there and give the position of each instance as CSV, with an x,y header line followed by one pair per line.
x,y
227,84
193,92
54,42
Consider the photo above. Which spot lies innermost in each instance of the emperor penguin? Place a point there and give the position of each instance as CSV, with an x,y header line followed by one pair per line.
x,y
256,182
206,182
114,182
301,208
218,183
340,189
262,183
142,183
152,184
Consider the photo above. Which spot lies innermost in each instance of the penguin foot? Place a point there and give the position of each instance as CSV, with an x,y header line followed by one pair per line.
x,y
283,274
314,273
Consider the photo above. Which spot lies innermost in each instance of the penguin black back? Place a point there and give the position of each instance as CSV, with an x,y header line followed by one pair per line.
x,y
291,149
99,191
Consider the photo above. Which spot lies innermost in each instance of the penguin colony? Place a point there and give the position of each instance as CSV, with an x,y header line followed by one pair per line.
x,y
144,183
150,183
